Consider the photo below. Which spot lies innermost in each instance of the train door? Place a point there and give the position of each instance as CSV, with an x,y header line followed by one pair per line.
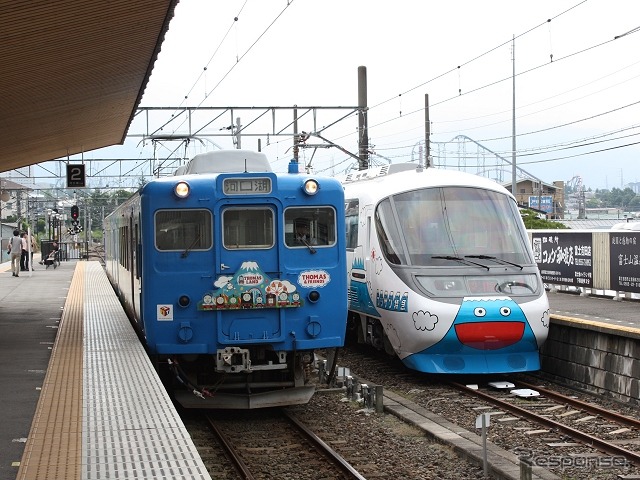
x,y
131,261
369,255
361,266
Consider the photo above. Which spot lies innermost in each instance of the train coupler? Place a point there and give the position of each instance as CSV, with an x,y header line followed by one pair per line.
x,y
233,360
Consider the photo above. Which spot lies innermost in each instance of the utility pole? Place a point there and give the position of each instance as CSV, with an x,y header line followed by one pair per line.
x,y
238,134
363,134
296,136
513,129
427,131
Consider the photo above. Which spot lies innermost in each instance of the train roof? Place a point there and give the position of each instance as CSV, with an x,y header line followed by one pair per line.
x,y
228,161
381,182
629,226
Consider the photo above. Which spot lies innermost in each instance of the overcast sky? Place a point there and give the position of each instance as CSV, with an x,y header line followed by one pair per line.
x,y
577,90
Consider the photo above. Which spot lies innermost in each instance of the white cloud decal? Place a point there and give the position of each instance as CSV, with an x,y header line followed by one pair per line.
x,y
222,281
424,321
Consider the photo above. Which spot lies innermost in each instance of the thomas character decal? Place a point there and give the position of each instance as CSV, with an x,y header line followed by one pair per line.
x,y
247,289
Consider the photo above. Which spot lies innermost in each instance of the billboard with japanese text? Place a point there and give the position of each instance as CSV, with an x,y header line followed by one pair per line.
x,y
564,259
625,270
546,203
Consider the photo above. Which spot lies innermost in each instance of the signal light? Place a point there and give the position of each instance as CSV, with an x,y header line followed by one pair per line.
x,y
75,211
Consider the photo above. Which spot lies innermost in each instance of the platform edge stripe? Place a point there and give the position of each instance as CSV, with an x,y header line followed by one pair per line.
x,y
53,445
130,424
595,325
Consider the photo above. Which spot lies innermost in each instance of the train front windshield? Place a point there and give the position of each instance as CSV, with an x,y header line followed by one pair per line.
x,y
434,226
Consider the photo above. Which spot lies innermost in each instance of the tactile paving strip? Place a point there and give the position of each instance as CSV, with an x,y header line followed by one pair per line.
x,y
130,428
102,412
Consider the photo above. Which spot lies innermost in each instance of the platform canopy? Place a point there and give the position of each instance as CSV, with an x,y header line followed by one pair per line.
x,y
73,72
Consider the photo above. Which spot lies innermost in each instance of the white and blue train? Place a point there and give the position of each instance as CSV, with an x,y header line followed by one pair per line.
x,y
234,276
441,272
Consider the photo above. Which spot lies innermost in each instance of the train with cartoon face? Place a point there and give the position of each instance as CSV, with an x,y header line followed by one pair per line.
x,y
233,276
441,272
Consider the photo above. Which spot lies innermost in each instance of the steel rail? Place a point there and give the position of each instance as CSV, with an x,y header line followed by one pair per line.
x,y
602,445
326,449
241,467
609,415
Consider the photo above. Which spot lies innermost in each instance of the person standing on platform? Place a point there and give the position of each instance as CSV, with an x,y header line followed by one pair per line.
x,y
32,240
15,250
24,257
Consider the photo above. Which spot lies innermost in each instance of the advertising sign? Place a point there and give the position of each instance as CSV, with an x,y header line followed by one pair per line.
x,y
546,202
625,270
564,259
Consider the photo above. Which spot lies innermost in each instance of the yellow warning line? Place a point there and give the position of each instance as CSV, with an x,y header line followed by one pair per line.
x,y
54,446
595,325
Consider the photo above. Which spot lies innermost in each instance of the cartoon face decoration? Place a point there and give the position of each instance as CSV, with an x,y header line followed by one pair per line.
x,y
489,324
487,335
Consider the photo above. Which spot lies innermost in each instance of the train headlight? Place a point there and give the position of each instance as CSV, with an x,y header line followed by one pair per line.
x,y
310,187
181,189
313,296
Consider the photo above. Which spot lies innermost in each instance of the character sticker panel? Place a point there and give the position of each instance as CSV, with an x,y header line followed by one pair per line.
x,y
250,288
164,313
314,279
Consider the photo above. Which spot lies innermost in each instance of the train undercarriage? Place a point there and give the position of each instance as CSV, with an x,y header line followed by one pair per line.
x,y
241,378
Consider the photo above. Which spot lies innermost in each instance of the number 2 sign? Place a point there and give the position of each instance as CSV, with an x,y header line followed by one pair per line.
x,y
75,176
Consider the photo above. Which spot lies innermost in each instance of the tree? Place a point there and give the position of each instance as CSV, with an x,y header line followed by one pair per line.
x,y
533,222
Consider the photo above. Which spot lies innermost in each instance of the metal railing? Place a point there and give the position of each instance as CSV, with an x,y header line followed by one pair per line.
x,y
67,250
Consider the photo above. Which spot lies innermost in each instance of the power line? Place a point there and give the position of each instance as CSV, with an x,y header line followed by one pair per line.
x,y
479,56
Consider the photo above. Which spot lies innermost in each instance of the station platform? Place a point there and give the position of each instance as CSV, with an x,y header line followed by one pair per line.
x,y
80,397
620,315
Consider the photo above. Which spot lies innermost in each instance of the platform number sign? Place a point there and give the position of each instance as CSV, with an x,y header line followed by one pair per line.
x,y
75,176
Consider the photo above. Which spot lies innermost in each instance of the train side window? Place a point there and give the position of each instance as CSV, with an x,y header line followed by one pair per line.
x,y
183,229
247,228
352,209
304,226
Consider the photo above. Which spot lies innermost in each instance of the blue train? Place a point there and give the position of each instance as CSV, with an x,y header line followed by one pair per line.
x,y
233,276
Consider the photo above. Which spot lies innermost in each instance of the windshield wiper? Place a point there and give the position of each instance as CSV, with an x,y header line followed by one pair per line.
x,y
495,259
458,259
186,252
308,245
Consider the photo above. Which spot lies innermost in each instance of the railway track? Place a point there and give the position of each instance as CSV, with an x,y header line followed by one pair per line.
x,y
575,435
578,407
278,443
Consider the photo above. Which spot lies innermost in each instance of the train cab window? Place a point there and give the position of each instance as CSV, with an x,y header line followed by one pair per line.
x,y
389,234
305,226
247,228
183,229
